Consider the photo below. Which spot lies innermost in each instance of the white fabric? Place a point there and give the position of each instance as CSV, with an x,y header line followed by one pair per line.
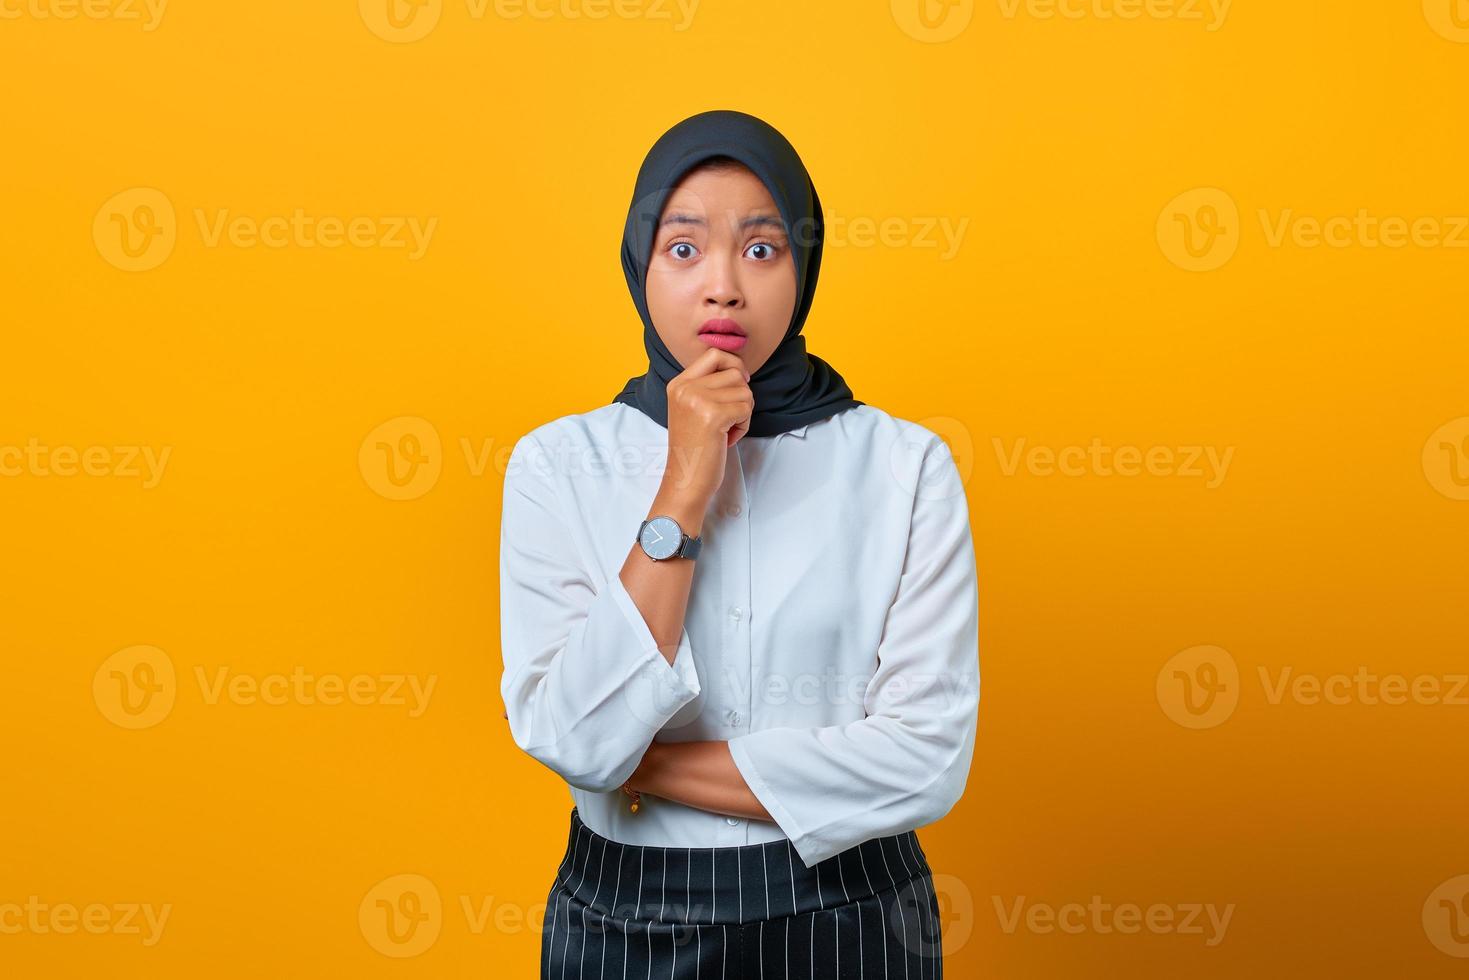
x,y
831,636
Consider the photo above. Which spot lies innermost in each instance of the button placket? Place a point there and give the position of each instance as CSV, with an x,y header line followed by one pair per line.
x,y
736,566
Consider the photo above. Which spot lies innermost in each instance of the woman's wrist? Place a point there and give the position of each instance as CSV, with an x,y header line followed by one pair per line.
x,y
688,508
645,777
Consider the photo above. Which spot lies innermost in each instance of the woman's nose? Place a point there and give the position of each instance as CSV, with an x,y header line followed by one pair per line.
x,y
722,287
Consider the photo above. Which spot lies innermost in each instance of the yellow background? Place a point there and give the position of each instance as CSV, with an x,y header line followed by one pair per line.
x,y
271,541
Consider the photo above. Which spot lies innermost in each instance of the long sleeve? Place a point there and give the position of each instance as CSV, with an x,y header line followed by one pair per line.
x,y
585,686
906,763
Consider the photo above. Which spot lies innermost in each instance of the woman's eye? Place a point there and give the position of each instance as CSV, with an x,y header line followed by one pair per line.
x,y
769,250
674,250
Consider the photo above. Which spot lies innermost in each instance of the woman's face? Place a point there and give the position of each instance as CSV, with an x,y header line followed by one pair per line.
x,y
721,254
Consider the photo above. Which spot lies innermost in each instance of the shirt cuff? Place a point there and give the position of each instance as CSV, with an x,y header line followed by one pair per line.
x,y
676,683
811,850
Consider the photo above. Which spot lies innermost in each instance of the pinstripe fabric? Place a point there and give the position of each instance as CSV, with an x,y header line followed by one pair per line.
x,y
629,912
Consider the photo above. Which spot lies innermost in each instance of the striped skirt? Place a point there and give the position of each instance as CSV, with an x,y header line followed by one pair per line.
x,y
728,913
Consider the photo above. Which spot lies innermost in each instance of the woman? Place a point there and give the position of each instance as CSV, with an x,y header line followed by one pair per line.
x,y
740,612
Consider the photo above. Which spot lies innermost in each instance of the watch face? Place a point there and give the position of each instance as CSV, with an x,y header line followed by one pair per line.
x,y
661,537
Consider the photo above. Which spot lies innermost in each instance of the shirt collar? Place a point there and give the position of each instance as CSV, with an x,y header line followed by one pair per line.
x,y
797,433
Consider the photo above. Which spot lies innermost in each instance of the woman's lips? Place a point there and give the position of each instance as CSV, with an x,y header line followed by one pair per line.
x,y
725,334
724,341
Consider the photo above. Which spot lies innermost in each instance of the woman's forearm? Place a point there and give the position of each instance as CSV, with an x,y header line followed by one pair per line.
x,y
660,589
697,774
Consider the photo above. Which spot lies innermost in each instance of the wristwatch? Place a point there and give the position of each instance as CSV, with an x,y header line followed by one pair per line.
x,y
662,538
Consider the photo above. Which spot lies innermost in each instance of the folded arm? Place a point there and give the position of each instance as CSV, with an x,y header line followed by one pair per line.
x,y
907,762
586,684
697,774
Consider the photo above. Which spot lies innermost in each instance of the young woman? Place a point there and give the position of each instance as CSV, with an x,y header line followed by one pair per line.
x,y
740,612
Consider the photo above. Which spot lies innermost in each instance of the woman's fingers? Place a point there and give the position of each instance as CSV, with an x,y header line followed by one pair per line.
x,y
725,378
713,360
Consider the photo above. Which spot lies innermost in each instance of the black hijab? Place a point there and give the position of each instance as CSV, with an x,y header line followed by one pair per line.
x,y
792,388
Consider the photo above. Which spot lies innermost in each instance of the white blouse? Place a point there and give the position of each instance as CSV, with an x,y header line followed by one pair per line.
x,y
831,636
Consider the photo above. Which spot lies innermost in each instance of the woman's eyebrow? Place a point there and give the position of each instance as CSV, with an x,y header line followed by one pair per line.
x,y
764,219
750,222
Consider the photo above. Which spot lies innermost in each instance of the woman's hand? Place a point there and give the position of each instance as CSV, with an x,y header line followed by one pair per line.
x,y
709,409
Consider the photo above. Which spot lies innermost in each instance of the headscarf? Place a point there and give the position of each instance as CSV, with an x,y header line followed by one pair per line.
x,y
792,388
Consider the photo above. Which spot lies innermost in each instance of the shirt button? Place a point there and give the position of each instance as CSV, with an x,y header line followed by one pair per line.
x,y
734,510
735,612
732,821
734,717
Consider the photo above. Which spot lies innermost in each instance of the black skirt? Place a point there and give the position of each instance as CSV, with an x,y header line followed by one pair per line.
x,y
622,911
